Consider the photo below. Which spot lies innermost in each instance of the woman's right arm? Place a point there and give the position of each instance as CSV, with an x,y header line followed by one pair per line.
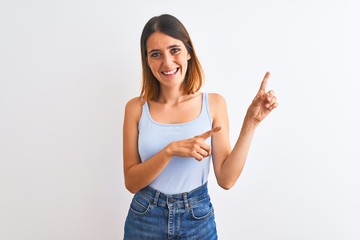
x,y
137,174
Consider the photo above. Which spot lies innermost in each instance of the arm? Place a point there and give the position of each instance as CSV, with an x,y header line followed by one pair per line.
x,y
138,175
228,164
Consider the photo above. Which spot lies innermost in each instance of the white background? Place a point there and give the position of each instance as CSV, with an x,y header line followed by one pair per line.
x,y
67,68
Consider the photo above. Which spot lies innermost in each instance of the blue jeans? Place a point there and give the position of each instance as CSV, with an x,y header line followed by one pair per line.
x,y
154,215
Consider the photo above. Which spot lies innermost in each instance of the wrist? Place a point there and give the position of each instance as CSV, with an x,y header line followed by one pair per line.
x,y
169,151
250,122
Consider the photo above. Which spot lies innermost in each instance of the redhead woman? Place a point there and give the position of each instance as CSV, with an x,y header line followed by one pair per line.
x,y
173,133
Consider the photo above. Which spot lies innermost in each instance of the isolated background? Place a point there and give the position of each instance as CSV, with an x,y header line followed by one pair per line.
x,y
68,67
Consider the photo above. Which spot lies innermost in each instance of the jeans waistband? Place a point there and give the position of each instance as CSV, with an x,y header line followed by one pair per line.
x,y
180,200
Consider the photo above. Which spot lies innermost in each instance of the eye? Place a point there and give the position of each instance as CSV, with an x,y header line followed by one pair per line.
x,y
154,54
175,50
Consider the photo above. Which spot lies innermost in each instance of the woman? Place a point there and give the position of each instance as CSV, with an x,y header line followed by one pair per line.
x,y
172,132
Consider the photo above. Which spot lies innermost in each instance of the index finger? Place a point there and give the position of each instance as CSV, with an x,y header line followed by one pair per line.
x,y
264,81
209,133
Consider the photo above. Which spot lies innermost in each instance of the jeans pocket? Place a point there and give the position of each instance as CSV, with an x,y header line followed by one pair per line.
x,y
140,205
202,210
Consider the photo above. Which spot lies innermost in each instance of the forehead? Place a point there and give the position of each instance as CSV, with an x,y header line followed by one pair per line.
x,y
159,40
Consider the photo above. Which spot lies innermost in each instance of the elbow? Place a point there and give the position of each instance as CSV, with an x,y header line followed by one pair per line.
x,y
132,189
227,181
130,184
227,185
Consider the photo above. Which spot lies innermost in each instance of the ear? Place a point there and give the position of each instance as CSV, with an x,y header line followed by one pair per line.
x,y
188,56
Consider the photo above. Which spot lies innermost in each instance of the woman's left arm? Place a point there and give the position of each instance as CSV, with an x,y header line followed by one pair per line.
x,y
228,164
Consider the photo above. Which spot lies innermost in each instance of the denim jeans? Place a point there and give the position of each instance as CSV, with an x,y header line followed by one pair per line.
x,y
154,215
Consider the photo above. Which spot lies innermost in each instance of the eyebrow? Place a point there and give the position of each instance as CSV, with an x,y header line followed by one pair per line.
x,y
169,47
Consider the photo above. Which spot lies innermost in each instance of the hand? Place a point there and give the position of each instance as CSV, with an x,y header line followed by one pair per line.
x,y
194,147
263,103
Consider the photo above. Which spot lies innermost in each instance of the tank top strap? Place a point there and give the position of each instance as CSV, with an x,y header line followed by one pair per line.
x,y
206,108
145,114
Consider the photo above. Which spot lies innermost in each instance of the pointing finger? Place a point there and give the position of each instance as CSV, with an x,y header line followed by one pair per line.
x,y
264,81
209,133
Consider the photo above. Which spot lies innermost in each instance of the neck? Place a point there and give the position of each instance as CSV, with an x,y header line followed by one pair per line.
x,y
171,97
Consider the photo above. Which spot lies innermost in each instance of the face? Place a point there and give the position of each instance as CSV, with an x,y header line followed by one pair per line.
x,y
167,58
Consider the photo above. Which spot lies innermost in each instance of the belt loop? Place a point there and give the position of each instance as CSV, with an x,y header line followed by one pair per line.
x,y
185,197
156,198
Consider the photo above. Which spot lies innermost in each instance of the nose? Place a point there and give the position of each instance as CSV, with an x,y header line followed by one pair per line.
x,y
167,60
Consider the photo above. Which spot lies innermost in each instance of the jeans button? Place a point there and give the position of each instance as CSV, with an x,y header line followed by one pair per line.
x,y
172,200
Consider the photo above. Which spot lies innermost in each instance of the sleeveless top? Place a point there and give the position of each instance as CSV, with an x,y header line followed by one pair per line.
x,y
182,174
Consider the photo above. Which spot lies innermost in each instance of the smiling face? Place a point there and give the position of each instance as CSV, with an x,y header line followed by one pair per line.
x,y
167,58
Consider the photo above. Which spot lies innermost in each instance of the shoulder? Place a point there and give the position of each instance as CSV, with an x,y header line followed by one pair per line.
x,y
217,104
133,108
215,99
135,102
216,96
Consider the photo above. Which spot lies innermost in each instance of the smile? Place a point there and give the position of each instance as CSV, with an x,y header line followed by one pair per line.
x,y
170,72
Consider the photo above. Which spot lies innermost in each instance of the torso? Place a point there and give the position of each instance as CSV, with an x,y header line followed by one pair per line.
x,y
184,120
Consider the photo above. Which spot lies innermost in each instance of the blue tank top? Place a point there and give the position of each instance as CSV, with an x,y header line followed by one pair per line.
x,y
182,174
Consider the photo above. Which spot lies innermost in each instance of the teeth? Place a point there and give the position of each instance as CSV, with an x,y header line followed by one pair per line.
x,y
170,72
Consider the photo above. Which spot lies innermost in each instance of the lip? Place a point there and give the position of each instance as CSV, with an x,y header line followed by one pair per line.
x,y
169,73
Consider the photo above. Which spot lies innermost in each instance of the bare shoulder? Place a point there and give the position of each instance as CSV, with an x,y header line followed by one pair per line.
x,y
216,100
133,108
134,102
217,105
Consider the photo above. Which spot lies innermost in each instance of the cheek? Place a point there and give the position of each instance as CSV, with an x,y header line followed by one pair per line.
x,y
153,68
186,59
185,65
